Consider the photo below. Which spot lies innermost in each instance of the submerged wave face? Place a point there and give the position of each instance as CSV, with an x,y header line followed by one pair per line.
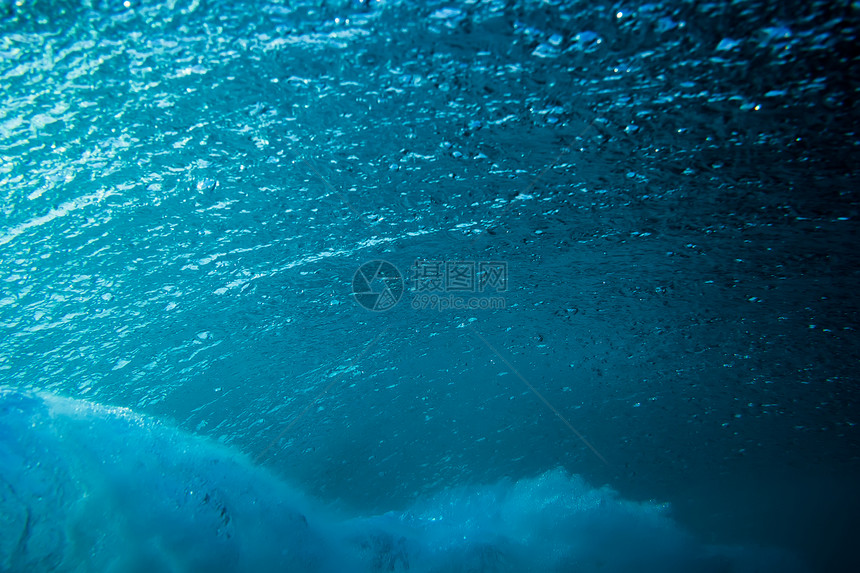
x,y
188,188
89,488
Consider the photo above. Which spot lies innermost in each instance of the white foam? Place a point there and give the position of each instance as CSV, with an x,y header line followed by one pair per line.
x,y
89,488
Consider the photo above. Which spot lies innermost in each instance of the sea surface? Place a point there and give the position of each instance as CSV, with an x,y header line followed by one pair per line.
x,y
431,286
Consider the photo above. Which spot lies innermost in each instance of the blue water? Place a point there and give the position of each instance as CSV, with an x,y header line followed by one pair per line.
x,y
615,330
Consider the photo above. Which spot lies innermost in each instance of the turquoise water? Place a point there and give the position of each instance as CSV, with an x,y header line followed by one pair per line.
x,y
639,351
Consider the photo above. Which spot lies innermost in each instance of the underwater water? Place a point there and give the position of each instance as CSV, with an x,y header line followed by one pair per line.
x,y
440,286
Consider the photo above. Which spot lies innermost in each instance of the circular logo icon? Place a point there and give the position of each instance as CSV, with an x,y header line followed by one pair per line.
x,y
377,285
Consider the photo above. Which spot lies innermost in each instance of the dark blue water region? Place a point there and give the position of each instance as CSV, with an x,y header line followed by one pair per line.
x,y
616,327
